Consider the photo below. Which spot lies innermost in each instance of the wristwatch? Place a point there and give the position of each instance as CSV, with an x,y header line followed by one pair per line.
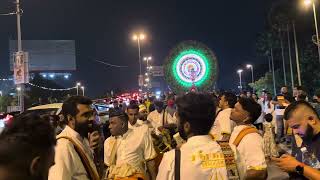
x,y
300,169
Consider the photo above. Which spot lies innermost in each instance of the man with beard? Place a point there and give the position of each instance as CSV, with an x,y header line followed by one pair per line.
x,y
27,149
246,141
74,158
305,122
128,151
200,157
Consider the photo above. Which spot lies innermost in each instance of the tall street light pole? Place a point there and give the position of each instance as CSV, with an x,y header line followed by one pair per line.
x,y
82,88
308,3
138,38
78,85
240,80
316,25
249,66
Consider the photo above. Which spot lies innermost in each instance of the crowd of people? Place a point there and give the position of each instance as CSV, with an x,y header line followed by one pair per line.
x,y
192,136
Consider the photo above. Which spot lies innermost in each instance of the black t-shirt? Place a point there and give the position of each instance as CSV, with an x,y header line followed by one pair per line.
x,y
312,146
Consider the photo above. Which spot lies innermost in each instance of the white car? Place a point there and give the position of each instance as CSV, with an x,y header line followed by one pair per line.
x,y
55,109
48,109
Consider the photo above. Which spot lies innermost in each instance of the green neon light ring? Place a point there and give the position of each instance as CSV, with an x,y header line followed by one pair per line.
x,y
191,52
190,61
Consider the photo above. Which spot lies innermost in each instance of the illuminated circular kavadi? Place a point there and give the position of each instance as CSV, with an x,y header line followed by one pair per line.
x,y
191,66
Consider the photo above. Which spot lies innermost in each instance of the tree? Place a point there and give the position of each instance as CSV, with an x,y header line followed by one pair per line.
x,y
266,82
4,102
310,75
267,42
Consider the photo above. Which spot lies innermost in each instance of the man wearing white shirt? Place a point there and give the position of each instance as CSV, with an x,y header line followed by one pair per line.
x,y
160,117
74,156
223,125
128,151
133,114
200,157
246,141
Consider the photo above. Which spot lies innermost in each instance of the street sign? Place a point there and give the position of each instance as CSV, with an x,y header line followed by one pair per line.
x,y
21,70
157,71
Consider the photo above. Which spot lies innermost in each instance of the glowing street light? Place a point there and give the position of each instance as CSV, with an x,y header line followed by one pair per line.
x,y
138,38
19,94
147,58
142,36
308,3
240,72
78,85
249,66
134,37
82,87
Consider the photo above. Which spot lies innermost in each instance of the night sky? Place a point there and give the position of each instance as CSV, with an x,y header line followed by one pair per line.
x,y
103,29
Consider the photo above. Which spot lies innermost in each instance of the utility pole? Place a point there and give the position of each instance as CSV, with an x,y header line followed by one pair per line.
x,y
19,39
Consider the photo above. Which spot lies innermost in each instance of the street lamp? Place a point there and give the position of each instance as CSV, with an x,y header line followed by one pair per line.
x,y
147,59
78,85
308,3
240,72
138,38
82,87
19,95
249,66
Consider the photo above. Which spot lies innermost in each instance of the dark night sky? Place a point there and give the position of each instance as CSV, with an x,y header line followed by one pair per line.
x,y
103,28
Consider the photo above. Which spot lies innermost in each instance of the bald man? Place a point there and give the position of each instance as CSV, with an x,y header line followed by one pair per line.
x,y
304,121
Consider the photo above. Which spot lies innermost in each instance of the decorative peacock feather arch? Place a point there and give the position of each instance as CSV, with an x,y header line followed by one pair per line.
x,y
191,63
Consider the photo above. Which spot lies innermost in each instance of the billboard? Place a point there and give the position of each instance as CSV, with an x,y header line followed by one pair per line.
x,y
47,55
